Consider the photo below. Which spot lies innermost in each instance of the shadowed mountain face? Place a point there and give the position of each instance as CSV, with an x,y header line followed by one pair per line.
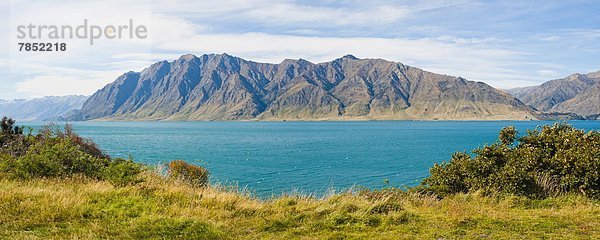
x,y
577,93
41,109
223,87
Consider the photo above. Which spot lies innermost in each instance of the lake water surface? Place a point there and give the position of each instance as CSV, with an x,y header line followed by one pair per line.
x,y
310,157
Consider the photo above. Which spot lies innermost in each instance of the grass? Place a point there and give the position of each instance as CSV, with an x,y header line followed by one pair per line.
x,y
161,208
57,185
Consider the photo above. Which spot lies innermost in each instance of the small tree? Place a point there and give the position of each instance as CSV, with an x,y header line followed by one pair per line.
x,y
8,130
8,127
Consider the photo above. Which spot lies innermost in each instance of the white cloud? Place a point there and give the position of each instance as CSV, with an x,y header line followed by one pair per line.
x,y
82,68
179,27
288,13
43,80
547,73
62,85
549,38
171,36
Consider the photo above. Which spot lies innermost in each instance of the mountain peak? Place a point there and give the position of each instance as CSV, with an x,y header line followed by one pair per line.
x,y
187,57
349,56
298,61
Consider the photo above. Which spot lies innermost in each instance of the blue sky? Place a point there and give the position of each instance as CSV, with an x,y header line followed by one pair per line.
x,y
503,43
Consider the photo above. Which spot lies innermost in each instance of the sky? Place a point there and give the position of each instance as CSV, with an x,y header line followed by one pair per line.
x,y
505,44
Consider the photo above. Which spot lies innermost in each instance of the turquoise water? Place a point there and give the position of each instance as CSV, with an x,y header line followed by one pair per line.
x,y
309,157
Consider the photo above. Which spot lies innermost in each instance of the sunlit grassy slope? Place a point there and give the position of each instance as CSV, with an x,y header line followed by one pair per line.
x,y
167,209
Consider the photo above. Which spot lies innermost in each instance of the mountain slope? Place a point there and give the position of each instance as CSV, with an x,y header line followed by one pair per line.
x,y
40,109
585,103
223,87
577,93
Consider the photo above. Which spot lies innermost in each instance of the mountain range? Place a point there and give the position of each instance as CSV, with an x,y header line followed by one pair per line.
x,y
41,109
577,93
224,87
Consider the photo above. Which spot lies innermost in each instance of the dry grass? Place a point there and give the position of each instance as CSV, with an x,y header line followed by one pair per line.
x,y
163,208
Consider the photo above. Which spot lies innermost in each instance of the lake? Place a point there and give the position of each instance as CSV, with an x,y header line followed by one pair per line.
x,y
270,158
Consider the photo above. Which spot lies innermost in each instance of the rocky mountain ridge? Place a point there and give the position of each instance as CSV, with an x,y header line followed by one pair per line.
x,y
576,93
224,87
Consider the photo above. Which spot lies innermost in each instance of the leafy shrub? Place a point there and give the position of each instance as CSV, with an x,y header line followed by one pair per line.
x,y
192,174
11,136
546,161
122,172
54,152
52,131
56,158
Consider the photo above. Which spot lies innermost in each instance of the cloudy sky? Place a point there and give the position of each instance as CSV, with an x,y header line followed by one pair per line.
x,y
503,43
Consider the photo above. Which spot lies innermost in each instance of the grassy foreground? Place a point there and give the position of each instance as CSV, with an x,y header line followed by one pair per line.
x,y
165,208
57,185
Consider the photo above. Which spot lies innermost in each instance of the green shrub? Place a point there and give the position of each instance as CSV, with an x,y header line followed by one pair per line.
x,y
55,158
12,140
194,175
86,145
7,127
55,152
546,161
122,172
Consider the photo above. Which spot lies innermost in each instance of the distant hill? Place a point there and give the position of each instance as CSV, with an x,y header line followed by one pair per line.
x,y
41,109
224,87
577,93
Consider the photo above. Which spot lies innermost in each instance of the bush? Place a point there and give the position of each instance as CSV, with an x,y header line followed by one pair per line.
x,y
85,144
547,161
122,172
11,136
55,158
55,152
194,175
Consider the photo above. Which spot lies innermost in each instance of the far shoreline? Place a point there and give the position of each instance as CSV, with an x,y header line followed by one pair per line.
x,y
307,121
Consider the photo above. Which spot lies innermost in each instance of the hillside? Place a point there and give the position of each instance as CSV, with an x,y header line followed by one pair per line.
x,y
41,109
224,87
577,93
585,103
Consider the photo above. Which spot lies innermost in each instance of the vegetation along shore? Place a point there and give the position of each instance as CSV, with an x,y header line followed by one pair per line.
x,y
543,184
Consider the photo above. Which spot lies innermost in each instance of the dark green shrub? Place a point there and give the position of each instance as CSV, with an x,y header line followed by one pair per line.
x,y
547,161
192,174
55,158
9,132
55,152
121,172
7,127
